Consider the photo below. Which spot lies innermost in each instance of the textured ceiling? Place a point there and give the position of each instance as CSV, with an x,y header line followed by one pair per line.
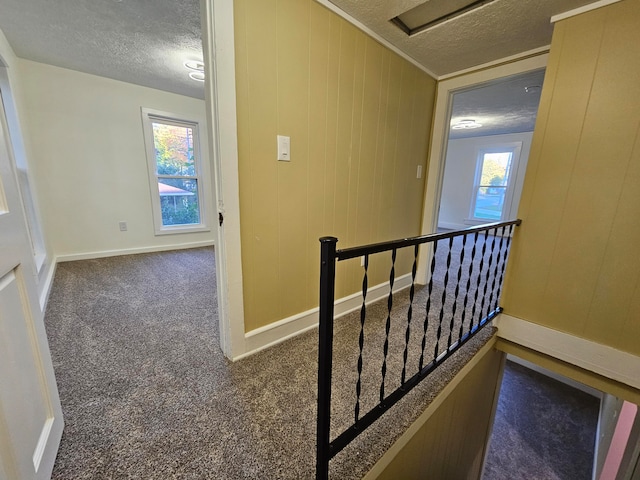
x,y
144,42
502,106
494,31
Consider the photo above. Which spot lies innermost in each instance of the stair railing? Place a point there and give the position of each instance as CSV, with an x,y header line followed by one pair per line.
x,y
480,279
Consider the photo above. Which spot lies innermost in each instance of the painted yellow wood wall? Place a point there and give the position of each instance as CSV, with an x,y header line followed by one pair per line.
x,y
450,441
359,119
575,264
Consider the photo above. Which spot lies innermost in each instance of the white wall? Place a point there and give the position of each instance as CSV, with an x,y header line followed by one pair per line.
x,y
459,175
84,134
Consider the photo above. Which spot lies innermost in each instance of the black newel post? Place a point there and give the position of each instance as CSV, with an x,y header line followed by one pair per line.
x,y
325,351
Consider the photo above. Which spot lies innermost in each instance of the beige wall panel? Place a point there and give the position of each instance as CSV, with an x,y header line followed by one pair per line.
x,y
556,162
293,121
451,443
304,72
320,34
619,276
259,209
573,267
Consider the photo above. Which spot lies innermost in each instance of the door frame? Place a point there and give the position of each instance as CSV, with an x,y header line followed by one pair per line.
x,y
220,102
440,136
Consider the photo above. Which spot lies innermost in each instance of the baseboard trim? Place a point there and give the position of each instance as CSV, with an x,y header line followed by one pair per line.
x,y
601,359
131,251
277,332
556,376
47,284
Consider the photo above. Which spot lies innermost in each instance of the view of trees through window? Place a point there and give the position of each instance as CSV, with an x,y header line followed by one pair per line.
x,y
177,174
492,186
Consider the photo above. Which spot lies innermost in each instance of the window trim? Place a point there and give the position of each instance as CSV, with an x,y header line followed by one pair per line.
x,y
148,117
515,148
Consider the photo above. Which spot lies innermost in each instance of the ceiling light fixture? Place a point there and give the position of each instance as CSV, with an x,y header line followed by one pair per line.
x,y
197,76
466,124
196,65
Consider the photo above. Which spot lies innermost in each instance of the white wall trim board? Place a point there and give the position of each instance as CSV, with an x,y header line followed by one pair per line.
x,y
501,61
375,36
597,358
47,284
131,251
560,378
583,9
415,427
277,332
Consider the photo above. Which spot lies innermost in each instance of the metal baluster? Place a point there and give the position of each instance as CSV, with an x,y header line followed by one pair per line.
x,y
407,335
466,293
456,292
486,281
444,299
479,281
388,325
493,304
428,307
363,314
505,256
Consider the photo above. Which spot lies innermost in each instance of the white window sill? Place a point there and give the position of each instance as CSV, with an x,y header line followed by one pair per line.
x,y
182,229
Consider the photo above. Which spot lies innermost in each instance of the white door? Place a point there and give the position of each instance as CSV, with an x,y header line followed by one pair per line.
x,y
30,414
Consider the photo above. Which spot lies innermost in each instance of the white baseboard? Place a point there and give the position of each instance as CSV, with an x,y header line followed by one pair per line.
x,y
597,358
279,331
131,251
560,378
47,284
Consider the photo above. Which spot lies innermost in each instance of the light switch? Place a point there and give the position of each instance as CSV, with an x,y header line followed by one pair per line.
x,y
419,172
284,148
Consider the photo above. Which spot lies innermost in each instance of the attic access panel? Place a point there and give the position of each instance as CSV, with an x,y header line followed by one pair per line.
x,y
434,12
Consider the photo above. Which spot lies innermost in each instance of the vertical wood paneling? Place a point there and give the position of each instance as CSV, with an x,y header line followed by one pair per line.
x,y
450,444
574,265
358,118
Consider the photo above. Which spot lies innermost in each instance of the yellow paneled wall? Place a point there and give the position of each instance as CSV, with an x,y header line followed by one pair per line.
x,y
575,263
359,118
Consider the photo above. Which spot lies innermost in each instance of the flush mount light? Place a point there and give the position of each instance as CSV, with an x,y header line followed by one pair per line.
x,y
196,65
466,124
197,76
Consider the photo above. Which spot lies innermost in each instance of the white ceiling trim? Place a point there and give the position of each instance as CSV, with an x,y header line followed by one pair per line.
x,y
374,35
513,58
579,10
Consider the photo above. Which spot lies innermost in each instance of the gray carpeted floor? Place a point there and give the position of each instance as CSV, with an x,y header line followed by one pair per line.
x,y
147,393
543,430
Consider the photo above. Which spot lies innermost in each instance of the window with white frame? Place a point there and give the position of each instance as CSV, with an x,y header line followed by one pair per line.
x,y
493,186
175,165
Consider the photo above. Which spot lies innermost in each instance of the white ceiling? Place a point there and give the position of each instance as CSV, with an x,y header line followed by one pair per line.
x,y
144,42
502,106
497,30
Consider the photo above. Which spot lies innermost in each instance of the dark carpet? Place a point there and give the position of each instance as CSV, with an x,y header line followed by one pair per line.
x,y
147,393
543,430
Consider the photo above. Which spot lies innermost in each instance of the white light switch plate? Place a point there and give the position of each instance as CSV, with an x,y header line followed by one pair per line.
x,y
284,148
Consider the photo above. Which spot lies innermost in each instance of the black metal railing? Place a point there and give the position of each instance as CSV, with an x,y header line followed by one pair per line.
x,y
460,297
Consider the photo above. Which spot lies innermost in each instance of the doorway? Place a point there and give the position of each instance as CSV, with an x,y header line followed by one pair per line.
x,y
447,87
489,138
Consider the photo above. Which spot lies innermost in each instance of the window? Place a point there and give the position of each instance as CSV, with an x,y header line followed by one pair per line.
x,y
492,190
173,155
